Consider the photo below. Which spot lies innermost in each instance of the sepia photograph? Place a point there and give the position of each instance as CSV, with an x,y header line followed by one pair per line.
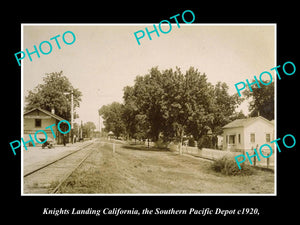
x,y
191,111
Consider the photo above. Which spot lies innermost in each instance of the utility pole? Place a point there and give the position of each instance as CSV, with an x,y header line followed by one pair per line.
x,y
114,146
72,115
81,128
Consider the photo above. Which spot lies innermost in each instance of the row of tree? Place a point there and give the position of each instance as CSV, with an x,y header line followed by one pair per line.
x,y
170,105
161,104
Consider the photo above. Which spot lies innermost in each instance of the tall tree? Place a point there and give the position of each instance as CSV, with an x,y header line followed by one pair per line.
x,y
198,100
185,103
88,128
223,109
112,115
147,91
170,104
51,95
173,103
136,124
262,100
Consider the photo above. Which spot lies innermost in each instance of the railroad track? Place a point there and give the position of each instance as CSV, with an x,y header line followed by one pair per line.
x,y
48,178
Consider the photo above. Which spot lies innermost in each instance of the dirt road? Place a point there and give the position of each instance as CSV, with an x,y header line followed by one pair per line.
x,y
132,170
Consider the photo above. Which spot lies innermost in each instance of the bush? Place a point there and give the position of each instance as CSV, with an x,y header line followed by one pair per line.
x,y
191,142
160,144
229,167
205,142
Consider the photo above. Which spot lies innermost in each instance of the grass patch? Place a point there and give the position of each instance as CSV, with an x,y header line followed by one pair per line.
x,y
228,166
133,169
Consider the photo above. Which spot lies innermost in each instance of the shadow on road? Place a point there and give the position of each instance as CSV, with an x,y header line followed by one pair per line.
x,y
145,148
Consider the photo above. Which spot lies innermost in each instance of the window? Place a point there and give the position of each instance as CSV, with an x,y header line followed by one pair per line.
x,y
268,137
239,136
231,139
38,122
252,138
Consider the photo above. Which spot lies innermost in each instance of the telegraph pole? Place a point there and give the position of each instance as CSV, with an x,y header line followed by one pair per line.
x,y
72,115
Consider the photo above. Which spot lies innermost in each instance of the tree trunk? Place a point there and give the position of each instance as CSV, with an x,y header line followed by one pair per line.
x,y
214,141
181,140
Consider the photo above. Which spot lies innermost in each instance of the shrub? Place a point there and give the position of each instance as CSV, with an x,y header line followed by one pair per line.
x,y
228,166
191,142
205,142
160,144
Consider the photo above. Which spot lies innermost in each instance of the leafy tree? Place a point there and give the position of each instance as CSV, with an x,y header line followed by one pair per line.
x,y
172,103
262,100
237,115
185,103
112,115
147,92
50,95
88,129
222,109
141,127
136,125
197,100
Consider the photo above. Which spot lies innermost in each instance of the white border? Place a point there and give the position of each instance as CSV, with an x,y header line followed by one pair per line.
x,y
22,113
143,24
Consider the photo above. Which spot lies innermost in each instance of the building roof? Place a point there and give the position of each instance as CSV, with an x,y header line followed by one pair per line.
x,y
244,122
46,112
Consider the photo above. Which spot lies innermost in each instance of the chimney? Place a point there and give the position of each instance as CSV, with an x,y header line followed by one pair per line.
x,y
52,111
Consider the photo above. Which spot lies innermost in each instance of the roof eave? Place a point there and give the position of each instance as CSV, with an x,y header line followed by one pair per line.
x,y
46,112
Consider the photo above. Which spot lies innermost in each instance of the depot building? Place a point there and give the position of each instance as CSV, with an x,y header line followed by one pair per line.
x,y
38,119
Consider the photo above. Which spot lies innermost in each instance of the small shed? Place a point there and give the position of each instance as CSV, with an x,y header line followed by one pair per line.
x,y
110,135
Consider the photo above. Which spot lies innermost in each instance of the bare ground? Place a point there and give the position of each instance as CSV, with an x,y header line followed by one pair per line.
x,y
139,170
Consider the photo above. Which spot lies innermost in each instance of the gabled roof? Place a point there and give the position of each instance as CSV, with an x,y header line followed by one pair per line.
x,y
46,112
245,122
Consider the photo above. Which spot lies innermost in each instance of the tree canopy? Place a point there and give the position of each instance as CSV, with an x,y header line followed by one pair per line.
x,y
51,94
262,100
112,115
170,104
88,128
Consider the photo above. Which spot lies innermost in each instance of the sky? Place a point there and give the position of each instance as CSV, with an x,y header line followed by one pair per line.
x,y
106,57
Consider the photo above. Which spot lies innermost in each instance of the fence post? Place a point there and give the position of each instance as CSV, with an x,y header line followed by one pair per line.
x,y
114,147
252,149
180,148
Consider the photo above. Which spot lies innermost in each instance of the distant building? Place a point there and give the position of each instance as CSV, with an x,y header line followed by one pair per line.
x,y
38,119
245,134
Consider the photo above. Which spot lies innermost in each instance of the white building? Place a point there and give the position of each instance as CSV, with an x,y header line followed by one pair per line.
x,y
244,134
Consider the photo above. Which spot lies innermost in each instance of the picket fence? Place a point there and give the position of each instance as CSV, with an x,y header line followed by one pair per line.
x,y
216,154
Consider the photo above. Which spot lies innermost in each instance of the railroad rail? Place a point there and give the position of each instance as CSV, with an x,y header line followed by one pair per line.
x,y
48,164
58,170
69,174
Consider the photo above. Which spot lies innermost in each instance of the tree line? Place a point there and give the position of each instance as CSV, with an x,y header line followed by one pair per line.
x,y
167,105
170,105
